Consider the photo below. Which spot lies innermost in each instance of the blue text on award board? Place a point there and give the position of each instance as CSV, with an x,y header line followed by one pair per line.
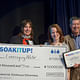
x,y
16,50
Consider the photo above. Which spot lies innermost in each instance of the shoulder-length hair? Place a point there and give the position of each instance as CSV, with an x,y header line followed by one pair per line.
x,y
59,30
22,25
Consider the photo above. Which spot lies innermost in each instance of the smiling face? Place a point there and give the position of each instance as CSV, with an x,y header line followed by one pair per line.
x,y
75,26
54,34
27,29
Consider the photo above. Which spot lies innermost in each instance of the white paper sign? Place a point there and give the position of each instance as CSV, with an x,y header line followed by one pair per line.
x,y
19,62
72,58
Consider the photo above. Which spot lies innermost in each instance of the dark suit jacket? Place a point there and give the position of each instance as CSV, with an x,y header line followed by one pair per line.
x,y
17,40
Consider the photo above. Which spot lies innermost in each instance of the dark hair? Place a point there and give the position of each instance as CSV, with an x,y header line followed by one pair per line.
x,y
74,18
58,30
23,23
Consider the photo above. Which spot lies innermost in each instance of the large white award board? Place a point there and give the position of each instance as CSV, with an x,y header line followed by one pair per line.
x,y
18,62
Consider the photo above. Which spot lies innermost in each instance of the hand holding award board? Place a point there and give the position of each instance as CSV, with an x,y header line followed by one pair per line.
x,y
71,58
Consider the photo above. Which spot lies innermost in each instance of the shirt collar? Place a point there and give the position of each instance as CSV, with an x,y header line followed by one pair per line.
x,y
72,35
24,36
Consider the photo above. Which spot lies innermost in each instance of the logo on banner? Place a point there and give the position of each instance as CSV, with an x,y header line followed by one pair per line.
x,y
55,51
73,53
16,50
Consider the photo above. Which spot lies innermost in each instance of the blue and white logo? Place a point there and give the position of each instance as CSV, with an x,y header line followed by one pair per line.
x,y
16,50
55,51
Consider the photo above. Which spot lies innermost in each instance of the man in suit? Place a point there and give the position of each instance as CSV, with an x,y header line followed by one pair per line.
x,y
73,41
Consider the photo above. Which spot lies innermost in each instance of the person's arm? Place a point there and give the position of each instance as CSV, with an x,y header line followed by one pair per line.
x,y
68,74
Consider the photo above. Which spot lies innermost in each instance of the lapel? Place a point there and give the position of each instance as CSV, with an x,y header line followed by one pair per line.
x,y
71,43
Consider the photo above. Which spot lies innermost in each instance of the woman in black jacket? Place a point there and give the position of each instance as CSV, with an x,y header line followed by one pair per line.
x,y
25,37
